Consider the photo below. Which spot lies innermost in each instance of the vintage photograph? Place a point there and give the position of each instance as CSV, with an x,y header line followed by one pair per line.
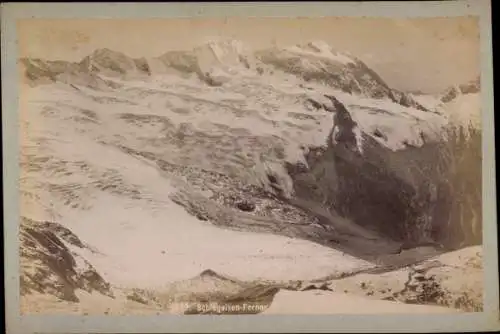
x,y
250,165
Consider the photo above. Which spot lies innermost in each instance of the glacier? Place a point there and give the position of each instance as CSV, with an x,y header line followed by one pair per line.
x,y
149,160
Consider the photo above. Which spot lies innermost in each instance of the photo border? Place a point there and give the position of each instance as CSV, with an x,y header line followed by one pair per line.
x,y
484,321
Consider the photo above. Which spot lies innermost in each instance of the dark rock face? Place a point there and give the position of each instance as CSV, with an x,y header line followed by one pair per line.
x,y
359,190
48,266
246,206
450,94
343,127
409,195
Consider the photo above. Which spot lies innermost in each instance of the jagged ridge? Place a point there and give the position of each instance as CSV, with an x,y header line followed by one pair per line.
x,y
216,61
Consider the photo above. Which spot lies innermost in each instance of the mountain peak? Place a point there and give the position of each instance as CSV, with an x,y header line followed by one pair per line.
x,y
106,52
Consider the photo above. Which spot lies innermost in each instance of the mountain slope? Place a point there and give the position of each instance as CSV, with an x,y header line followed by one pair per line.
x,y
462,104
217,61
318,62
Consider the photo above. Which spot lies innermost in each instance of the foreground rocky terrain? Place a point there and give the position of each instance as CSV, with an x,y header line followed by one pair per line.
x,y
227,176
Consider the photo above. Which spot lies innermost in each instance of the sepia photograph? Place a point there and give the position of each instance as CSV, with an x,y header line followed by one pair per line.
x,y
246,165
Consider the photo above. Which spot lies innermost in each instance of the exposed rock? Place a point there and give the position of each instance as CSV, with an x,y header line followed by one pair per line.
x,y
451,280
48,266
246,206
315,104
108,62
453,92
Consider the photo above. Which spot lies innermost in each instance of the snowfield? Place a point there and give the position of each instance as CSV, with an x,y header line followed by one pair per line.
x,y
312,302
151,234
463,110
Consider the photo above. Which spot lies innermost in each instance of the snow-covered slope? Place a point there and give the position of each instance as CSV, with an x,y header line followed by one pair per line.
x,y
465,110
169,166
219,60
325,302
318,62
87,159
431,102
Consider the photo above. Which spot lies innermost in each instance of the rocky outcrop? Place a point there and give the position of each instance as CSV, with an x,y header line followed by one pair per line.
x,y
48,266
470,87
36,71
182,61
451,280
108,62
406,100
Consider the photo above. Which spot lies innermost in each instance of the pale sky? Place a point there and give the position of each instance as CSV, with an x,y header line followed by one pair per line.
x,y
427,54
